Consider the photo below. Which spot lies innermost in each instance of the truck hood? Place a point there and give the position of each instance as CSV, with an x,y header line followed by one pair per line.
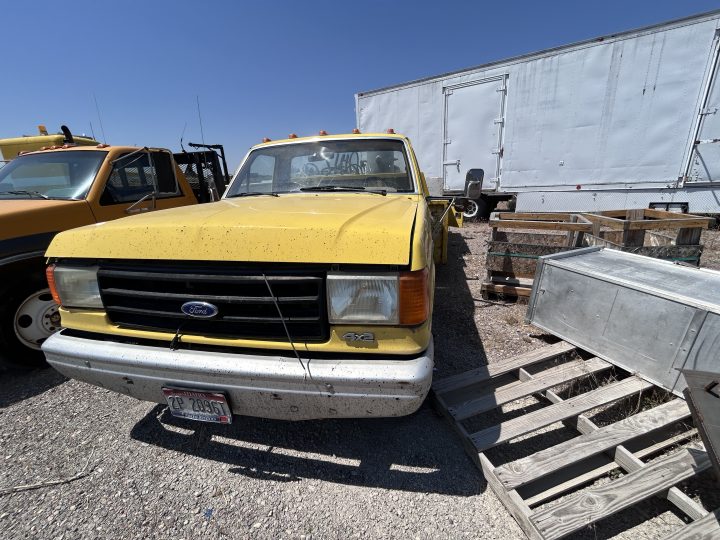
x,y
23,217
309,228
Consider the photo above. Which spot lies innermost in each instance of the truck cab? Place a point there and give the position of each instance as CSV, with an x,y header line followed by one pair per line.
x,y
61,187
306,292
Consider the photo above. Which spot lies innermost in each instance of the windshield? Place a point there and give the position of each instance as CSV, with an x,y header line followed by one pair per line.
x,y
348,165
52,175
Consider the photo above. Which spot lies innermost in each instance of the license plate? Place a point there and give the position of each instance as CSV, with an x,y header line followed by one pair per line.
x,y
198,405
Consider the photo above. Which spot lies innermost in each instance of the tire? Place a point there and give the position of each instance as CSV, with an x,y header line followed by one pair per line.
x,y
28,317
471,209
479,209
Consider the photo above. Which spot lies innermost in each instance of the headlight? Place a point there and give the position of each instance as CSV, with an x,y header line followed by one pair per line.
x,y
74,286
388,298
363,298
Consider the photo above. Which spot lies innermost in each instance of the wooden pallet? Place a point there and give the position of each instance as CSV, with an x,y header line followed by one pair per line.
x,y
546,491
517,240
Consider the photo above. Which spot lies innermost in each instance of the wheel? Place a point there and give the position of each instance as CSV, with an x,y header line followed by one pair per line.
x,y
29,317
310,169
471,209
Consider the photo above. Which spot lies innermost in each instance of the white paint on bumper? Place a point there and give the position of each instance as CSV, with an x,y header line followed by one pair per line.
x,y
268,386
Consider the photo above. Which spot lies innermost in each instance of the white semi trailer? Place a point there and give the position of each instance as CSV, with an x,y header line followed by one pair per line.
x,y
629,120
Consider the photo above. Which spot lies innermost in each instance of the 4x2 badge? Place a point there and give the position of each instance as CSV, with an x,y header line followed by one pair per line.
x,y
354,336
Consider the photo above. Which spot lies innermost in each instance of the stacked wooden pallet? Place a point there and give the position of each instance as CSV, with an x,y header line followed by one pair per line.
x,y
544,490
518,239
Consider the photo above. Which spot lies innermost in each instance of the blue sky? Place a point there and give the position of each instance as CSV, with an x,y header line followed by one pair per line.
x,y
262,69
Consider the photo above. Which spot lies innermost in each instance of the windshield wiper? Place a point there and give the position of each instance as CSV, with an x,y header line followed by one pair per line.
x,y
343,188
253,194
24,192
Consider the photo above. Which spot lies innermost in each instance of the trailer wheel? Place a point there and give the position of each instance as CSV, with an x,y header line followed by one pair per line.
x,y
471,209
479,208
28,317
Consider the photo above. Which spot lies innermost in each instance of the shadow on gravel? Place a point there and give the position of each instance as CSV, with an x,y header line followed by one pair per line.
x,y
417,453
17,385
458,346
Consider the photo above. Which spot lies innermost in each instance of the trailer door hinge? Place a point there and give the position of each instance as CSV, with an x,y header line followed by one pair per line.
x,y
448,92
499,121
708,111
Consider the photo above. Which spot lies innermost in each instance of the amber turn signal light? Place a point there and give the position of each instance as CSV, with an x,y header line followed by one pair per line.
x,y
50,275
414,297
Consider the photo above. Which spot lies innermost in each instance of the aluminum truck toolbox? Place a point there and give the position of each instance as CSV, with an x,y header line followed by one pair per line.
x,y
645,315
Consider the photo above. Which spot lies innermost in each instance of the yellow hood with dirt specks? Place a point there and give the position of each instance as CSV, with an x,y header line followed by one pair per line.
x,y
350,228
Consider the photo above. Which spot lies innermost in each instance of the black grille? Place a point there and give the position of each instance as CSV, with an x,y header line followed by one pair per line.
x,y
150,297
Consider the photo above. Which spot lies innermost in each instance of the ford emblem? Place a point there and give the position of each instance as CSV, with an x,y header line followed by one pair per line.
x,y
202,310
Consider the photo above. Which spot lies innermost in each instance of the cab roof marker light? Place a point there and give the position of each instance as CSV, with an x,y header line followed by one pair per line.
x,y
322,132
356,131
266,139
292,136
390,131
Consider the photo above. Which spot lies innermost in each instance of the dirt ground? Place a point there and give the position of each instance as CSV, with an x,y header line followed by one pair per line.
x,y
136,472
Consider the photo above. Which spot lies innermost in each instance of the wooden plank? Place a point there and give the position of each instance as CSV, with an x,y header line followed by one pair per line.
x,y
558,489
485,373
542,225
494,435
620,214
510,499
687,237
706,528
510,290
535,238
541,381
579,510
613,223
625,459
703,223
662,214
537,216
523,471
633,237
631,463
504,249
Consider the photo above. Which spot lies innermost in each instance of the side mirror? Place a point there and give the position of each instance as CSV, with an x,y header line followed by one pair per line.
x,y
473,183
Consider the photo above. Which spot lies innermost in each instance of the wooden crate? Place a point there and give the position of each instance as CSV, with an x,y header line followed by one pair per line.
x,y
518,239
546,491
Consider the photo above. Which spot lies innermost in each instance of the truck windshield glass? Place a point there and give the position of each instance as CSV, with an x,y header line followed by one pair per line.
x,y
52,175
355,165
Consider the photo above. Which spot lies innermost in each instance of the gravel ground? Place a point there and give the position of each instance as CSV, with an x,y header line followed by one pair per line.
x,y
141,473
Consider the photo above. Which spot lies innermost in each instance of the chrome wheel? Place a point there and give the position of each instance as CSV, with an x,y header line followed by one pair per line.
x,y
471,209
36,319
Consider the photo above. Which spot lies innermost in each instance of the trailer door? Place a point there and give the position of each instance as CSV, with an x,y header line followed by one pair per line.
x,y
704,162
473,131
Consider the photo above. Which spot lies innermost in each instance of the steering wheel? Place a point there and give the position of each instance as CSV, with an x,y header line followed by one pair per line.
x,y
310,169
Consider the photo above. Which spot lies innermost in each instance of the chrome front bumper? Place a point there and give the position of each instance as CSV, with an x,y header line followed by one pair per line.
x,y
268,386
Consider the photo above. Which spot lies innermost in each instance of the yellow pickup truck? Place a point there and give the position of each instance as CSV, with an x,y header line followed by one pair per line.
x,y
306,292
58,188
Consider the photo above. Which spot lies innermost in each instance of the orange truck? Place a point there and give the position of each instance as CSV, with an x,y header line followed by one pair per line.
x,y
62,187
